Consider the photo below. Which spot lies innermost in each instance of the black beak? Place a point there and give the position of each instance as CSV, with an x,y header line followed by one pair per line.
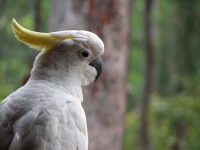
x,y
98,64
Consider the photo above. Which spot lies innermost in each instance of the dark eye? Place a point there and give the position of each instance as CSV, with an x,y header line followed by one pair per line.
x,y
85,54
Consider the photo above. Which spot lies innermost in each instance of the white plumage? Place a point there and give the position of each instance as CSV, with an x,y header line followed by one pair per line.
x,y
46,113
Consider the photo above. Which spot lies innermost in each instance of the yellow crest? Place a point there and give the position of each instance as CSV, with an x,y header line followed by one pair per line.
x,y
36,40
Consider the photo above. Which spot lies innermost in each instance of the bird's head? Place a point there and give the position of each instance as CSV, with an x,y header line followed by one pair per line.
x,y
71,55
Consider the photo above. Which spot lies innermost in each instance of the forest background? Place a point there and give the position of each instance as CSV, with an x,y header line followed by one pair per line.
x,y
152,99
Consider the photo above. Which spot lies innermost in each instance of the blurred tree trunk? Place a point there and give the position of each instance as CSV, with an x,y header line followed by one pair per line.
x,y
179,62
37,27
38,15
187,45
181,136
187,65
144,142
104,101
2,7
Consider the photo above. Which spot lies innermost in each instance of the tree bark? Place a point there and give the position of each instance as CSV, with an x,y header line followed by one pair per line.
x,y
144,142
104,101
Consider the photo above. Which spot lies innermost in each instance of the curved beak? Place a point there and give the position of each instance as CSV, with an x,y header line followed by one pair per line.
x,y
98,65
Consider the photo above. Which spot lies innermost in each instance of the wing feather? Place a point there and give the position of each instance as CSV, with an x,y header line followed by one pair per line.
x,y
53,122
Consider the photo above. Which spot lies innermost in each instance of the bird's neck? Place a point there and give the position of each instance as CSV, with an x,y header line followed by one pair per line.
x,y
54,88
53,66
52,75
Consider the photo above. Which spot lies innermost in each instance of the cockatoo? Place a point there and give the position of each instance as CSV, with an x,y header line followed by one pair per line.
x,y
46,113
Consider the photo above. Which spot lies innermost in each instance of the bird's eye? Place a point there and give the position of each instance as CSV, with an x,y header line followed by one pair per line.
x,y
85,54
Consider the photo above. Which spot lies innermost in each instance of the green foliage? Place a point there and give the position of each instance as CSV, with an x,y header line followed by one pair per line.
x,y
130,131
165,41
136,57
178,44
11,74
174,119
175,108
15,56
176,37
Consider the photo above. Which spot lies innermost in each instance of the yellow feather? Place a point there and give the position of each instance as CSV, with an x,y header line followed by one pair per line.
x,y
34,39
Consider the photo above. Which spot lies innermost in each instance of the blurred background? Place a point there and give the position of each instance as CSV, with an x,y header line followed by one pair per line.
x,y
148,97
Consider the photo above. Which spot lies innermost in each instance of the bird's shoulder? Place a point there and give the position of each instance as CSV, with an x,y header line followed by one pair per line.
x,y
36,118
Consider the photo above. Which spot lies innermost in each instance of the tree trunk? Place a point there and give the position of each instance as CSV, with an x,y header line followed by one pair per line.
x,y
38,15
181,136
104,101
37,27
144,142
2,7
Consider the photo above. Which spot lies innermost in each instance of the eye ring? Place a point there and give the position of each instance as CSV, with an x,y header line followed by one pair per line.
x,y
84,54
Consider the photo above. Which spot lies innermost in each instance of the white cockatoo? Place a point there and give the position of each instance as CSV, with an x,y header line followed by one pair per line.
x,y
46,113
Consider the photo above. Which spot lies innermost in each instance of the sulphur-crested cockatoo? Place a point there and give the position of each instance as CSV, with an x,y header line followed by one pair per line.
x,y
46,113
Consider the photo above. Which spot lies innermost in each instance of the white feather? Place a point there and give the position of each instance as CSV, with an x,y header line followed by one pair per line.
x,y
46,113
